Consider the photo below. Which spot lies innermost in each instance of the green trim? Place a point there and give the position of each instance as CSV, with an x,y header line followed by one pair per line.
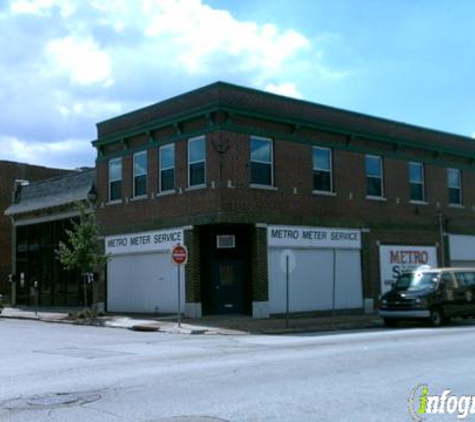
x,y
155,143
345,146
341,130
215,106
157,124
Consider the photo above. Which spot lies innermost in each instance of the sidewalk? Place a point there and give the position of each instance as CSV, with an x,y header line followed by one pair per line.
x,y
206,325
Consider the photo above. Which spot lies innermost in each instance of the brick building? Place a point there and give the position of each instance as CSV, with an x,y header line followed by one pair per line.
x,y
9,173
41,213
253,182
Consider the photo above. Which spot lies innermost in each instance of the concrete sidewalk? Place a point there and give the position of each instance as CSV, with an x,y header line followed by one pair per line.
x,y
230,325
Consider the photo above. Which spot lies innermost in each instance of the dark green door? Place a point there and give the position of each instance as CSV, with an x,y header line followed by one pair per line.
x,y
227,287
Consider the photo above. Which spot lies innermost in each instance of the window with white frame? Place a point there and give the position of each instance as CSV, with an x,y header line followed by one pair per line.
x,y
416,181
374,176
197,161
455,186
322,169
140,173
167,167
115,179
262,161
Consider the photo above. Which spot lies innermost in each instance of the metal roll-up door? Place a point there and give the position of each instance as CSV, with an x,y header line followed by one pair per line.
x,y
348,282
323,279
310,286
460,263
143,283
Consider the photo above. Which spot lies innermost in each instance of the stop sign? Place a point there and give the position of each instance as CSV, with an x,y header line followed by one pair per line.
x,y
179,255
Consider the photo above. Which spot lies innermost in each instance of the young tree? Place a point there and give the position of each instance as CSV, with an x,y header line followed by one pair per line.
x,y
82,251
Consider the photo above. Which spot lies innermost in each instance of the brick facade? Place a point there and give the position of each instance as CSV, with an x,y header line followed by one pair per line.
x,y
228,116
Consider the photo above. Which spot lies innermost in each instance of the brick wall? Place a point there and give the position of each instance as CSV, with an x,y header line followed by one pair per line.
x,y
260,284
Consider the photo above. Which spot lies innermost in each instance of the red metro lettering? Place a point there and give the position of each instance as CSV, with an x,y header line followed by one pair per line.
x,y
408,257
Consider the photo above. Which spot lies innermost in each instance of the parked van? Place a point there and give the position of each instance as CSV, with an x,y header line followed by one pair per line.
x,y
433,294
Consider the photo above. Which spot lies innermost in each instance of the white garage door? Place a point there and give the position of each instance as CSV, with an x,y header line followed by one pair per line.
x,y
463,264
143,283
311,284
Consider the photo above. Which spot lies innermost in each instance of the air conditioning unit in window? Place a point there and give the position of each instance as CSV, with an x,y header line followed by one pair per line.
x,y
226,241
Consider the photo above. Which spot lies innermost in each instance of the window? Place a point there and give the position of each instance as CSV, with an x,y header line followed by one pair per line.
x,y
167,167
115,179
416,182
196,161
455,186
322,170
140,173
374,176
261,161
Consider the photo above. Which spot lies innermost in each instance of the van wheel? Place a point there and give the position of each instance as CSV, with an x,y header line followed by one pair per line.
x,y
389,322
436,318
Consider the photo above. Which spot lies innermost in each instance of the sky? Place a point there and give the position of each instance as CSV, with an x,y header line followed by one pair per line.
x,y
66,65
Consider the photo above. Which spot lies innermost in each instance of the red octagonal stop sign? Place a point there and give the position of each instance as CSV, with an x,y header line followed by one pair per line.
x,y
179,255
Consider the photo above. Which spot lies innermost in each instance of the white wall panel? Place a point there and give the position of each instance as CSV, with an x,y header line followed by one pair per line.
x,y
348,282
311,283
143,283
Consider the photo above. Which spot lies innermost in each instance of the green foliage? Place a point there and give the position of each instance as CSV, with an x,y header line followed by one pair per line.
x,y
82,251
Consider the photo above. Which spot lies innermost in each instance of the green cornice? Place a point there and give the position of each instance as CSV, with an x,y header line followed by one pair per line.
x,y
295,125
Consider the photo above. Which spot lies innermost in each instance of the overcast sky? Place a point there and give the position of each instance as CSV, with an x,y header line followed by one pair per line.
x,y
67,64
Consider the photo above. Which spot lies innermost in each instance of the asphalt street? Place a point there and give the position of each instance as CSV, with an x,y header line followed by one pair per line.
x,y
62,372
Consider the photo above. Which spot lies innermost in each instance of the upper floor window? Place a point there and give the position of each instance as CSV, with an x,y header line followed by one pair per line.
x,y
262,161
140,173
115,179
416,181
322,169
374,176
197,161
455,186
167,167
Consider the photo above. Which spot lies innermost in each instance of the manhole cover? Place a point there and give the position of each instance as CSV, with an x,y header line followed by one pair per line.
x,y
53,400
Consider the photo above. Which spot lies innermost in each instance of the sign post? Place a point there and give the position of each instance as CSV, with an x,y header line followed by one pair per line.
x,y
287,265
179,257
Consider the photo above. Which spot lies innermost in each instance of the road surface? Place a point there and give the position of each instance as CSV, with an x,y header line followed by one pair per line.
x,y
62,372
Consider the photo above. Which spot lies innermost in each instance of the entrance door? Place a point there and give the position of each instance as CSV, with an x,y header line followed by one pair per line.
x,y
227,287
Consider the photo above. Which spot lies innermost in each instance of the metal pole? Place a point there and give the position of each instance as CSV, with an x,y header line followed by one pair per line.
x,y
441,234
287,288
334,282
179,296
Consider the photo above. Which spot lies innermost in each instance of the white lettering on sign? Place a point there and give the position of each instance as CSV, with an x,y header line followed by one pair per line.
x,y
395,260
143,242
313,237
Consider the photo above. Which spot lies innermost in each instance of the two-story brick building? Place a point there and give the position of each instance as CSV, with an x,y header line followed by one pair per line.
x,y
245,179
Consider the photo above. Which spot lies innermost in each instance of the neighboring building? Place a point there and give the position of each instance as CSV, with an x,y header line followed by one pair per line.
x,y
240,176
9,173
41,213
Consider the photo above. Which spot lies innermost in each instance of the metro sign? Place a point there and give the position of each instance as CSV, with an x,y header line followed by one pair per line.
x,y
179,255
